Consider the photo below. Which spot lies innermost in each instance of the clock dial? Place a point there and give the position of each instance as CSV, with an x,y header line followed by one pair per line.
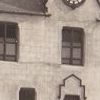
x,y
74,3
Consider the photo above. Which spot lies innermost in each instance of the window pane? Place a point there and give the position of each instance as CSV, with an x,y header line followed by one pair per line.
x,y
1,48
77,62
11,32
27,94
1,39
77,53
66,44
77,35
77,44
66,35
9,58
2,32
10,49
10,40
65,61
1,57
65,52
72,97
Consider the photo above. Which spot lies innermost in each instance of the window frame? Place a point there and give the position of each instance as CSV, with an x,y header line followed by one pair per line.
x,y
5,42
71,47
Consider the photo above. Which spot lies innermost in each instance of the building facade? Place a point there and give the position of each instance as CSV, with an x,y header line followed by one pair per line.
x,y
39,55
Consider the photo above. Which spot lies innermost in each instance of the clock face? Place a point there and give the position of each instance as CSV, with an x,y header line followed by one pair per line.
x,y
74,3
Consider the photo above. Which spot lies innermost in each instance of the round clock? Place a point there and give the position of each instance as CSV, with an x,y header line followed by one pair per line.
x,y
98,1
74,3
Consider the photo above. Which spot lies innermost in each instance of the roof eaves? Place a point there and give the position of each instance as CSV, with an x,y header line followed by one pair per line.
x,y
26,13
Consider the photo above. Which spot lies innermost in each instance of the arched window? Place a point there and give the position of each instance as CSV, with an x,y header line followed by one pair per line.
x,y
72,89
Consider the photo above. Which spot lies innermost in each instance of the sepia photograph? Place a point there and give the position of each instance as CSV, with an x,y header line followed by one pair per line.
x,y
49,49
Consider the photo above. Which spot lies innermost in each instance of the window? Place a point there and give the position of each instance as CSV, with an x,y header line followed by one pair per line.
x,y
72,97
27,94
8,41
72,45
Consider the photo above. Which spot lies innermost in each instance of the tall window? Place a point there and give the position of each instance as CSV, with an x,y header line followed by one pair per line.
x,y
72,45
27,94
8,41
72,97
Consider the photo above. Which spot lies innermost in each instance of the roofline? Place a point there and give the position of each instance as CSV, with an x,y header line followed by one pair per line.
x,y
27,13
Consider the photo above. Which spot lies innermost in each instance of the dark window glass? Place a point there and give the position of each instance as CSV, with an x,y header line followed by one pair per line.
x,y
2,32
72,97
8,41
27,94
66,37
72,45
1,49
11,31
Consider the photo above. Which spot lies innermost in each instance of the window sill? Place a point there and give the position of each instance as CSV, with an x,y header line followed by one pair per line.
x,y
72,66
3,61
